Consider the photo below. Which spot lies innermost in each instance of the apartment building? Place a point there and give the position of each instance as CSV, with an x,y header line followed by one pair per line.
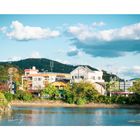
x,y
35,80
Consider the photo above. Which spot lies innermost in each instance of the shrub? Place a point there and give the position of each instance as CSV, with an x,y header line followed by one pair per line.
x,y
23,95
27,97
68,96
121,99
80,101
51,92
9,96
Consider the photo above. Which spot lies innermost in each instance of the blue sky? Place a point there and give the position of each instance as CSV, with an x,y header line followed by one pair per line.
x,y
109,42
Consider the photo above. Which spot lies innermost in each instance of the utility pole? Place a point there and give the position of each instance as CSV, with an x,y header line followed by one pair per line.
x,y
10,83
51,65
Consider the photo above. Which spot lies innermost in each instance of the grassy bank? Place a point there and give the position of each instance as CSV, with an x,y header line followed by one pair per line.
x,y
59,103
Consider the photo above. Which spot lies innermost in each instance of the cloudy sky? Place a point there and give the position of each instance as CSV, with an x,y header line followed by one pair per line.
x,y
109,42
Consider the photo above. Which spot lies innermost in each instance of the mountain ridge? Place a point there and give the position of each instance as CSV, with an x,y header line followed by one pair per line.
x,y
43,64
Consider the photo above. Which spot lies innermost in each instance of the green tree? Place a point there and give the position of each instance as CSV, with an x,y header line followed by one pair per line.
x,y
9,96
136,87
80,93
51,91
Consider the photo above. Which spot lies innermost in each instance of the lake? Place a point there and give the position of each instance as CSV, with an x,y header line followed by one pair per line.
x,y
70,116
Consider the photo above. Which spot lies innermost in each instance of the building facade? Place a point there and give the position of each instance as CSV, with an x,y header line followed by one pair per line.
x,y
84,73
125,85
35,80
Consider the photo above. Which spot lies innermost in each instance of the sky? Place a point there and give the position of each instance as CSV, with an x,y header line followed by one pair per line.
x,y
108,42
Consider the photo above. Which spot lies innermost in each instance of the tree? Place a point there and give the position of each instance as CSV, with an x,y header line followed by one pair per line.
x,y
135,88
51,91
80,93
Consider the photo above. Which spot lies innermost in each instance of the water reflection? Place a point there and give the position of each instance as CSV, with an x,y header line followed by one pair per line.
x,y
62,116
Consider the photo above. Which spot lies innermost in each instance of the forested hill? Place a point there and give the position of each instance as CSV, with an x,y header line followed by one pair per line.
x,y
45,65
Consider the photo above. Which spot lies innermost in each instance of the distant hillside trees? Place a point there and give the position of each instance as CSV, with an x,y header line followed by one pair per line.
x,y
44,66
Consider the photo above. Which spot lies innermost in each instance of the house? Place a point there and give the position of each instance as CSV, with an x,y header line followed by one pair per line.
x,y
35,80
87,74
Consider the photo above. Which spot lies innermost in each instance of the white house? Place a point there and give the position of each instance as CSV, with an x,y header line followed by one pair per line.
x,y
85,73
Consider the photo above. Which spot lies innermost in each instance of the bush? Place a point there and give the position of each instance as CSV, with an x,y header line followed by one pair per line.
x,y
80,93
121,99
51,92
80,101
9,96
23,95
3,101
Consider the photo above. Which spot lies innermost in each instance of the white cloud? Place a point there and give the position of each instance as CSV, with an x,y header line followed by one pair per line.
x,y
20,32
3,29
130,72
35,54
86,33
81,32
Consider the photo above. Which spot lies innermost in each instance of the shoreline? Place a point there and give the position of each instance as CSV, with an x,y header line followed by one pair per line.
x,y
63,104
5,109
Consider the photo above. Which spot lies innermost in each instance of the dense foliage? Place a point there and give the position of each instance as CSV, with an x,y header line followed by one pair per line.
x,y
80,93
76,93
5,70
23,95
51,92
3,73
136,87
9,96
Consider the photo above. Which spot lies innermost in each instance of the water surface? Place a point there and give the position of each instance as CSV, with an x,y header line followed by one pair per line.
x,y
70,116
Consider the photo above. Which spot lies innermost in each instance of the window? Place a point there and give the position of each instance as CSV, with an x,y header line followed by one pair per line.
x,y
35,79
76,77
30,78
99,78
82,77
93,77
39,79
46,77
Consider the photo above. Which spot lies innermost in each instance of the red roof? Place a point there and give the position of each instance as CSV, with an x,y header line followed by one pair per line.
x,y
120,92
27,70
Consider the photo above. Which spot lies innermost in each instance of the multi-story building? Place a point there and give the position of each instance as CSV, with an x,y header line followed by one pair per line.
x,y
35,80
85,73
125,85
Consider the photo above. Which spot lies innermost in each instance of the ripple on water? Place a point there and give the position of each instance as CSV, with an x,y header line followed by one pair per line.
x,y
134,121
